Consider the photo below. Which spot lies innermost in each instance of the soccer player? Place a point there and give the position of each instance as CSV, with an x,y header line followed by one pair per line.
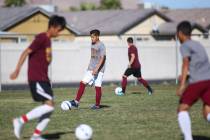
x,y
134,67
196,64
95,71
39,57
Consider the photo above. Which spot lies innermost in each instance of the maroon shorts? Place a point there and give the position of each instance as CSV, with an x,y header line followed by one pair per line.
x,y
195,91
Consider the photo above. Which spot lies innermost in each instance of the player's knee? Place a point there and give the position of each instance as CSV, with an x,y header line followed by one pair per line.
x,y
206,113
183,107
124,76
208,117
83,82
139,78
49,103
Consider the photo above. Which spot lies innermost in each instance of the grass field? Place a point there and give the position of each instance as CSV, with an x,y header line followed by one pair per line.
x,y
136,116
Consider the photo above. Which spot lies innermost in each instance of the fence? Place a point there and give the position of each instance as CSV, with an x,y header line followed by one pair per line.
x,y
159,59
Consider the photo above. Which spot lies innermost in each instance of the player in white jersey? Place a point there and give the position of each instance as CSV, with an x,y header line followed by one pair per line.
x,y
95,71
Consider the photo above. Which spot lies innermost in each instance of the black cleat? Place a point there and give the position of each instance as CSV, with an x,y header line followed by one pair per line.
x,y
74,104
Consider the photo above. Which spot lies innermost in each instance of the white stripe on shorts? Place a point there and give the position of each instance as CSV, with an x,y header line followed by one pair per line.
x,y
41,91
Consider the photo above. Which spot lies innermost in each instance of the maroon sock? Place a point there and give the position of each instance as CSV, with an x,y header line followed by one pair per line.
x,y
98,95
123,84
144,82
80,91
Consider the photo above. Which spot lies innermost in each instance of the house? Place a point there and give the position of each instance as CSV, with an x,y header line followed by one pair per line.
x,y
143,24
199,16
167,31
116,23
29,21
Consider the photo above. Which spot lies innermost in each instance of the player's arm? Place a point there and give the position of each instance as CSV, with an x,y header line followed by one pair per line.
x,y
183,78
101,61
21,60
131,60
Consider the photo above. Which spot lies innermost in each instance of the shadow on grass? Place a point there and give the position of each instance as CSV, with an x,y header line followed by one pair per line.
x,y
136,92
88,108
201,138
105,106
55,136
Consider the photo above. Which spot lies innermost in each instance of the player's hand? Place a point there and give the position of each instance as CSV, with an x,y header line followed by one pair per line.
x,y
95,71
14,75
180,90
129,65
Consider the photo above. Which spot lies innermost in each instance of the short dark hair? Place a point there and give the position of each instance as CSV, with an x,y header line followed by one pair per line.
x,y
130,40
56,20
95,32
185,27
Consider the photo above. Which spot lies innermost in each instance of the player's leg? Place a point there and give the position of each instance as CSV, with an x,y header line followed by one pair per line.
x,y
39,94
42,124
206,112
188,98
98,84
206,99
87,78
141,80
184,121
126,74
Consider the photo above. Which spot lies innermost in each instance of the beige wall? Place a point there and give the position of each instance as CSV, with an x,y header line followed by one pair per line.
x,y
146,26
36,24
102,38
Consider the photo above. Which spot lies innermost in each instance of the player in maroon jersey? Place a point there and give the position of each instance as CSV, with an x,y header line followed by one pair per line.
x,y
134,67
39,57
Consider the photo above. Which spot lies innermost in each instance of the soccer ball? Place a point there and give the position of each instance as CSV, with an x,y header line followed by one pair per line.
x,y
66,105
83,132
118,91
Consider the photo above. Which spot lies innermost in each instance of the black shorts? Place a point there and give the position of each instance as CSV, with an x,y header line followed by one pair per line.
x,y
136,72
41,91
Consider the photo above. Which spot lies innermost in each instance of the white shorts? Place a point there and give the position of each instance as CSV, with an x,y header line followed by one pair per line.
x,y
90,79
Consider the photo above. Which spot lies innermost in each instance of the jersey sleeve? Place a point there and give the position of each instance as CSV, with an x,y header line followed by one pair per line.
x,y
103,51
37,43
185,51
133,50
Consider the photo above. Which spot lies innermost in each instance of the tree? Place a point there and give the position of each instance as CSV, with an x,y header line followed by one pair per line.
x,y
110,4
87,6
9,3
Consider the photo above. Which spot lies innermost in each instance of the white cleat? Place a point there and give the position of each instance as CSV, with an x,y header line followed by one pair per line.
x,y
37,138
17,124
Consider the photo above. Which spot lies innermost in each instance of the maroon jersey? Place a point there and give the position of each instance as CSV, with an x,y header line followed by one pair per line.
x,y
40,58
133,50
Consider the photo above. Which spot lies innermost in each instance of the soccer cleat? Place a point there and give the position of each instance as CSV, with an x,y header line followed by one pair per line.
x,y
18,125
95,107
37,138
74,104
150,91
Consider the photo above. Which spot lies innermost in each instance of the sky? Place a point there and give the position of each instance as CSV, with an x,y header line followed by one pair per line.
x,y
176,4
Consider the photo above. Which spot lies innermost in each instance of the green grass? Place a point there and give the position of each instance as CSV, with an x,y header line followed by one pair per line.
x,y
136,116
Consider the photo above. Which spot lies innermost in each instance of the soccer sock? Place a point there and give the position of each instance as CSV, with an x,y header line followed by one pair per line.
x,y
144,82
208,117
43,122
185,124
123,84
98,95
80,91
41,126
36,113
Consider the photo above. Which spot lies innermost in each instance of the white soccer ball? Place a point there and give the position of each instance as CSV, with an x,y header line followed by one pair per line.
x,y
83,132
118,91
66,105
